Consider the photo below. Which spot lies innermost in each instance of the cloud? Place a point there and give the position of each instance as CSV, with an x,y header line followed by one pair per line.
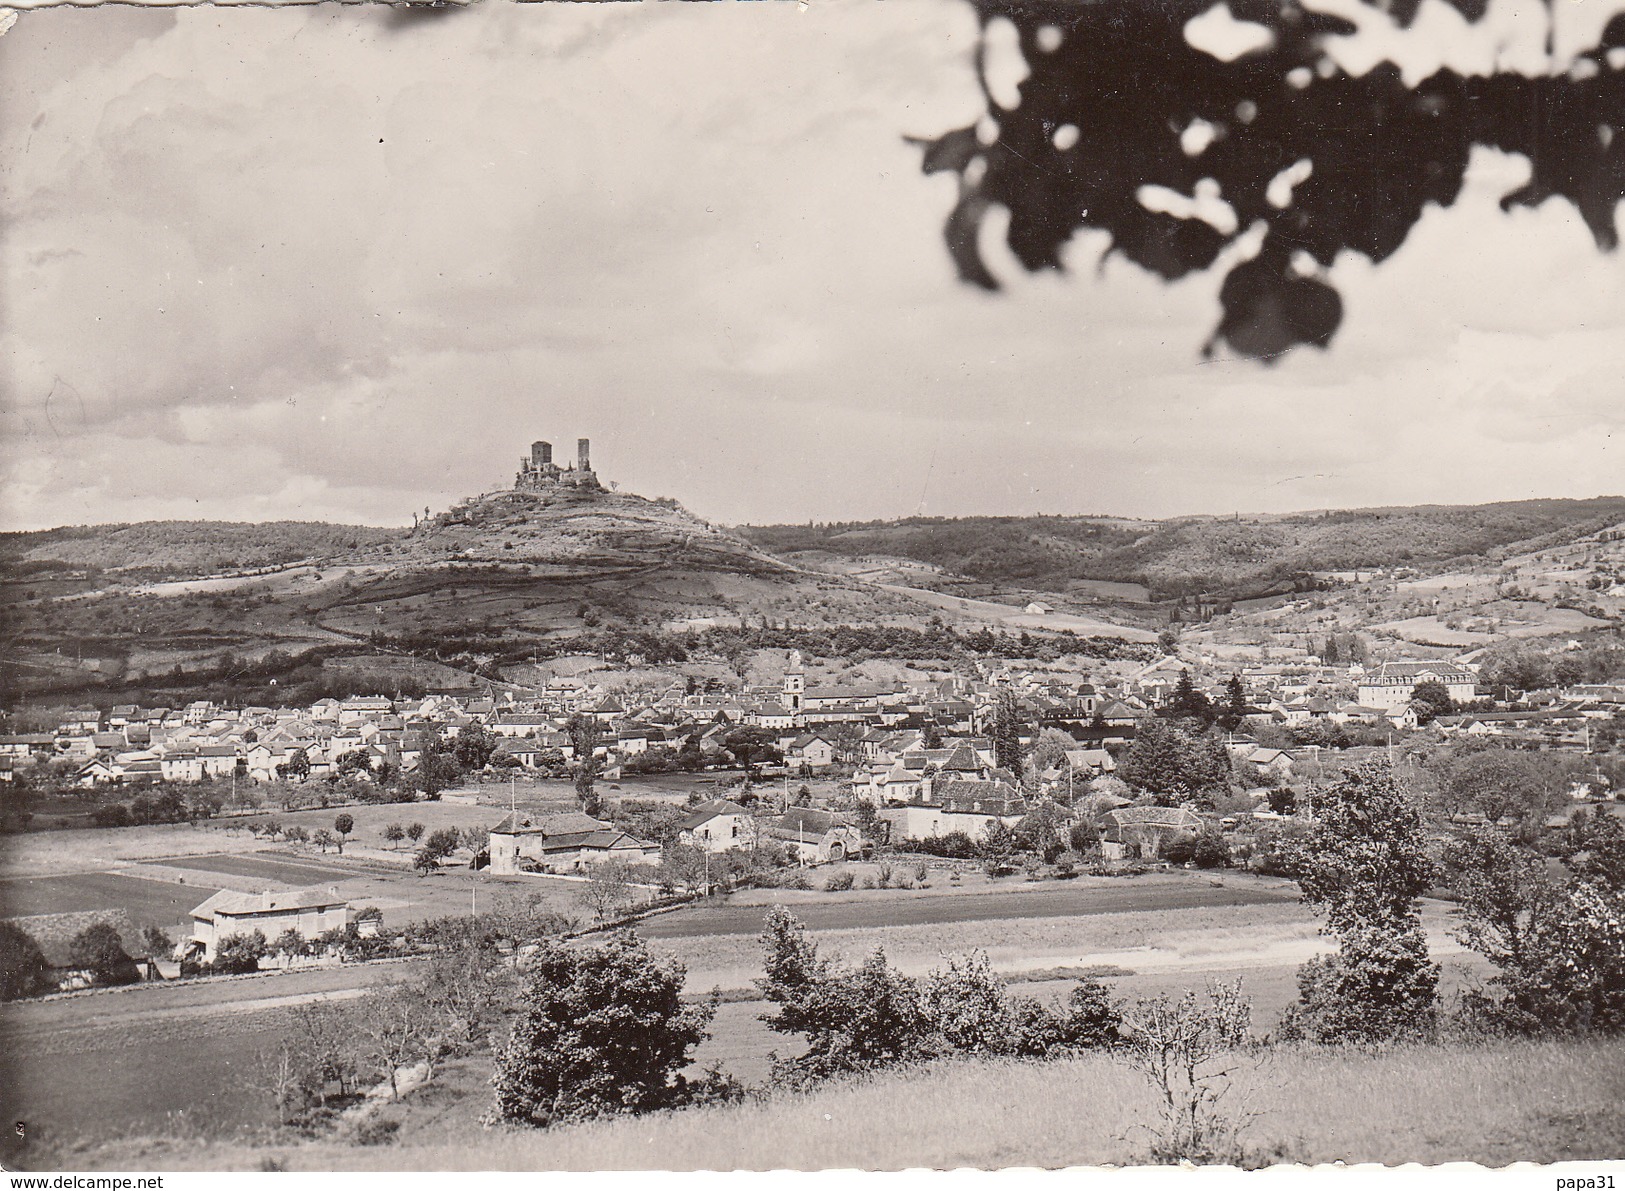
x,y
324,263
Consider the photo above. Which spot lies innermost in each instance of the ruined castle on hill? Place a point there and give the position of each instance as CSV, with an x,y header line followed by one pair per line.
x,y
538,472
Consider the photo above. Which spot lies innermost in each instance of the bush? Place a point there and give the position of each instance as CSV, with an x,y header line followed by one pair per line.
x,y
874,1016
23,970
1180,1047
237,954
600,1030
376,1131
838,882
1380,986
99,950
956,845
1206,849
114,815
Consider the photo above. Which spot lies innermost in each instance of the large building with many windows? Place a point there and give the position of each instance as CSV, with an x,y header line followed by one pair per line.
x,y
1390,684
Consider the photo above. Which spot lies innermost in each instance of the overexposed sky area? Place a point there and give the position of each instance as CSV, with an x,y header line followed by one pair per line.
x,y
343,264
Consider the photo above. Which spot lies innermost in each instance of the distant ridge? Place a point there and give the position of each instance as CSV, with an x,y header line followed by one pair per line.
x,y
1187,555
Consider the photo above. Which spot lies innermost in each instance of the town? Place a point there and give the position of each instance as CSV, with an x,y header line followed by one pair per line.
x,y
1099,816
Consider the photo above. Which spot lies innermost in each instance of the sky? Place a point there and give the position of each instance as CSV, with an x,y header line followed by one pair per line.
x,y
335,263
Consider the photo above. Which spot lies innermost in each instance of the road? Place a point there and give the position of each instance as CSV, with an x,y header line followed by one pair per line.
x,y
1051,902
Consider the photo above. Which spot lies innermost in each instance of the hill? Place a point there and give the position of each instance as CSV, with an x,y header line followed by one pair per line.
x,y
168,612
1234,557
155,549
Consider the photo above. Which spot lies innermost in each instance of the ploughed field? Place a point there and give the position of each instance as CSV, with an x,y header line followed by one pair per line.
x,y
149,901
268,866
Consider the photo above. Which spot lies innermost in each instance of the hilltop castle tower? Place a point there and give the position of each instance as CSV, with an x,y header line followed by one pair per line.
x,y
538,472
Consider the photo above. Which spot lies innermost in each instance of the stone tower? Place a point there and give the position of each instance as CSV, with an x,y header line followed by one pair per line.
x,y
795,683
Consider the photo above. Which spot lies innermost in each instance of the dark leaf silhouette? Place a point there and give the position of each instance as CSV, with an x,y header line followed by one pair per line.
x,y
1310,161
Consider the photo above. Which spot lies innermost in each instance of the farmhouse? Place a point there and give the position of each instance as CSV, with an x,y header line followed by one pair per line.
x,y
562,843
957,806
311,912
717,826
1144,829
814,836
55,934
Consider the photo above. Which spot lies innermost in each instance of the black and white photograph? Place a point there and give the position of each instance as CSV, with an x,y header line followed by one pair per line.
x,y
812,585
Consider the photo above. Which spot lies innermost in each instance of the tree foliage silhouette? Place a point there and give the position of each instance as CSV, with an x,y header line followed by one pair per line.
x,y
1115,89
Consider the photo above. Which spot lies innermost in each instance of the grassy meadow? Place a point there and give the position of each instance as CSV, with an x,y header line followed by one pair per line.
x,y
1492,1104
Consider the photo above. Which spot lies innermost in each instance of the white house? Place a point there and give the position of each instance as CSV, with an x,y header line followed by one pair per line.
x,y
717,826
311,912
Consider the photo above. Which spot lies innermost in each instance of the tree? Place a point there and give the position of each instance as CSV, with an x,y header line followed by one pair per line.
x,y
157,940
297,765
583,731
437,769
600,1030
609,891
343,824
1007,731
324,1035
750,747
472,747
1234,710
1502,784
239,953
291,944
392,1030
1175,766
283,1073
1430,699
99,950
414,831
1049,752
1363,865
465,984
1366,203
997,846
1557,943
23,970
1189,703
394,834
931,737
1043,830
442,842
324,839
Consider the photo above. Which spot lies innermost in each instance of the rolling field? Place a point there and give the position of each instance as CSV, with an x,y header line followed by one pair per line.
x,y
149,902
888,909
